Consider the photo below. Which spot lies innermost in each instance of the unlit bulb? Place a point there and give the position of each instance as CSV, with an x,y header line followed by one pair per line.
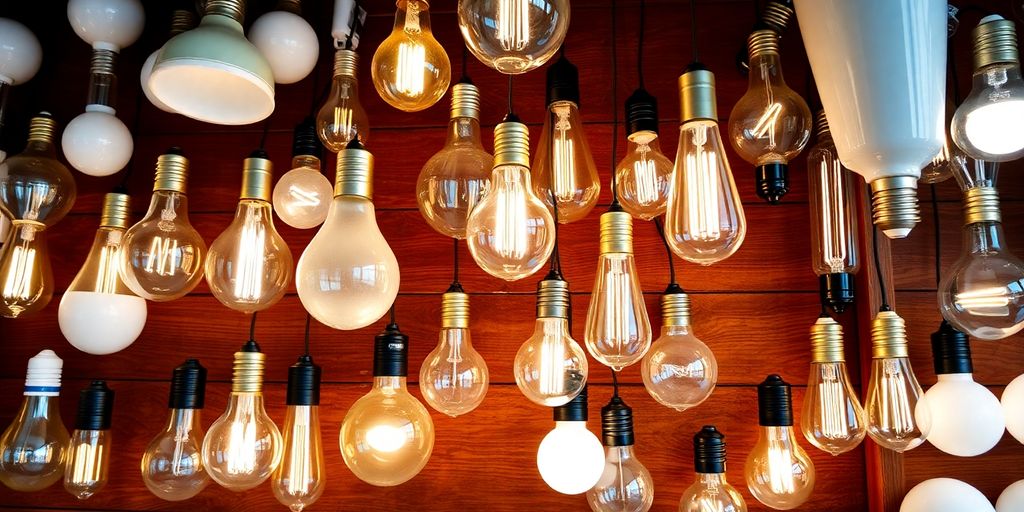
x,y
454,376
679,370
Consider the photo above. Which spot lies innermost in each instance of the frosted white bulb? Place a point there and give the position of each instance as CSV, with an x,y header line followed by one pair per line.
x,y
1013,408
147,70
107,24
97,142
302,197
1012,498
945,495
966,417
20,53
570,458
288,43
101,323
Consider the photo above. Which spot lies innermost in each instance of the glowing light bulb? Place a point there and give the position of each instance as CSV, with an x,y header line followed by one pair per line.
x,y
89,450
833,419
625,484
98,314
302,195
181,21
454,376
778,471
898,415
342,118
570,458
287,42
945,495
300,480
679,370
1013,408
410,69
513,36
644,175
710,492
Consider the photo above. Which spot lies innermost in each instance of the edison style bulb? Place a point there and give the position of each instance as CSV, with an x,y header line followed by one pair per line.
x,y
833,419
704,220
410,69
162,254
513,36
710,492
243,447
249,266
454,376
625,484
98,314
300,480
644,175
455,179
302,197
342,118
550,367
387,435
898,415
679,370
510,233
89,451
570,458
34,447
778,471
349,285
172,465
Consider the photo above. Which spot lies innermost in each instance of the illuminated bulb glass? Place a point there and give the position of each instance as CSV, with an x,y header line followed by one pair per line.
x,y
410,68
625,484
513,36
570,457
89,450
454,376
778,471
643,176
679,370
833,419
300,480
898,416
710,492
342,118
302,197
25,272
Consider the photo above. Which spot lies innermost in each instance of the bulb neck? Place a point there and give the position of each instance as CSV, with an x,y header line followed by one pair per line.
x,y
511,144
188,386
553,299
390,353
574,411
983,238
837,290
232,9
888,336
617,423
346,62
827,341
389,384
455,310
95,407
116,210
697,96
354,173
248,370
951,351
171,172
894,205
709,451
616,233
995,42
41,129
641,112
304,382
184,419
102,81
981,204
675,310
465,101
311,162
257,177
774,402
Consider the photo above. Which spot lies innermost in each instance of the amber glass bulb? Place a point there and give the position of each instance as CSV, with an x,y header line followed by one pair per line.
x,y
410,69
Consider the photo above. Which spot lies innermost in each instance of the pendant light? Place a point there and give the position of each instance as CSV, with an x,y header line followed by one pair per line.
x,y
625,483
513,36
710,492
181,21
89,450
20,58
287,41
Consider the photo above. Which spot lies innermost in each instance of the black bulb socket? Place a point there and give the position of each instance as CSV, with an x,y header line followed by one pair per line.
x,y
575,410
304,382
95,407
709,451
641,112
391,353
563,81
836,290
251,346
772,181
774,402
188,386
951,351
617,423
305,141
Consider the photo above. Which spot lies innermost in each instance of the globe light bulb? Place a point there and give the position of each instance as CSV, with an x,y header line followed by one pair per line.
x,y
988,124
162,254
342,118
563,170
249,266
644,175
679,371
967,419
20,53
570,458
710,492
302,195
181,20
833,419
513,36
89,450
704,220
778,471
945,495
1013,408
410,68
98,314
287,42
107,24
243,447
1012,498
455,179
454,376
300,480
625,484
353,286
387,435
510,233
898,415
34,447
172,465
550,367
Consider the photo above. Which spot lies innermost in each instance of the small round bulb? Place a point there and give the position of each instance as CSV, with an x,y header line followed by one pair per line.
x,y
570,457
945,495
20,53
288,43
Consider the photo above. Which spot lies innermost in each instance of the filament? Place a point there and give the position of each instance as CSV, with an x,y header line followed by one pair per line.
x,y
645,176
564,166
990,301
18,282
552,362
241,452
107,282
832,403
833,236
780,465
343,115
510,230
249,260
618,306
300,467
703,196
87,468
513,24
897,416
412,58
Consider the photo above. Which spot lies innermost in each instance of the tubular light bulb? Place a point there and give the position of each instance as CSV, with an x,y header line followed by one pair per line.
x,y
513,36
564,169
454,376
710,492
618,331
679,371
243,447
300,479
644,175
945,495
704,219
1013,408
342,118
287,42
98,314
181,21
455,179
89,450
778,471
387,435
162,254
898,415
550,367
510,233
410,69
625,484
249,266
302,197
172,465
20,53
570,457
833,419
34,447
349,286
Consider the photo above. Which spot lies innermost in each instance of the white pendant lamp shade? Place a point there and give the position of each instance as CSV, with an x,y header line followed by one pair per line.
x,y
20,52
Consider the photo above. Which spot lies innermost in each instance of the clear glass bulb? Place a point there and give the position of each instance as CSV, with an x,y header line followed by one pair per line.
x,y
941,167
778,471
342,117
563,158
833,419
513,36
410,68
898,415
88,462
679,370
302,196
550,367
300,480
25,272
644,176
454,376
625,484
172,465
570,458
710,492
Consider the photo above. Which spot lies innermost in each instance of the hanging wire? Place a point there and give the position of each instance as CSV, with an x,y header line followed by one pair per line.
x,y
615,107
668,252
306,339
510,109
615,384
640,45
556,256
878,270
465,63
938,235
455,264
391,314
252,327
266,130
693,30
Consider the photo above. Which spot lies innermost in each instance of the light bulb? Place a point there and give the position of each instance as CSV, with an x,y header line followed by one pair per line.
x,y
967,419
644,175
34,447
89,450
342,118
618,331
300,480
1013,408
349,287
833,419
387,435
704,220
510,233
989,124
243,447
287,42
679,370
513,36
302,195
625,484
982,293
107,24
249,266
570,458
1012,498
98,314
563,170
898,415
710,492
20,53
550,367
181,21
172,465
455,179
945,495
454,376
778,471
162,254
36,191
410,69
835,255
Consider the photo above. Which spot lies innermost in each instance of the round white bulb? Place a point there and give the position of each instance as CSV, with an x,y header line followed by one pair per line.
x,y
288,43
107,24
570,458
966,417
302,198
101,323
1013,408
96,142
995,128
1012,498
147,69
945,495
20,52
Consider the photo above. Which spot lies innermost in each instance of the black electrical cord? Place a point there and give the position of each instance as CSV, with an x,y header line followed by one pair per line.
x,y
878,270
615,384
266,130
640,45
465,63
693,30
668,253
455,264
511,110
556,256
938,236
306,339
252,327
615,108
392,320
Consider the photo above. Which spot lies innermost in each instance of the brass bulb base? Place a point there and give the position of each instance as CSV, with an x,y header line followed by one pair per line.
x,y
465,101
777,15
182,20
827,341
894,205
257,178
171,173
762,42
675,310
234,9
116,210
821,125
697,96
41,128
345,63
102,61
455,310
981,204
888,336
511,144
248,372
553,299
354,176
995,42
292,6
616,233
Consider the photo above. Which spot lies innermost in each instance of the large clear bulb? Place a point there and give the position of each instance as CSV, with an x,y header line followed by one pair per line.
x,y
710,492
300,480
643,177
342,118
89,450
778,471
410,68
513,36
679,370
302,196
454,376
570,457
625,484
898,414
833,419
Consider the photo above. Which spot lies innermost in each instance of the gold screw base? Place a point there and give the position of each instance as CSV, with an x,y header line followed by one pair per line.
x,y
675,310
116,209
345,62
455,310
354,173
894,205
511,144
248,376
888,336
827,341
257,175
981,204
553,299
616,233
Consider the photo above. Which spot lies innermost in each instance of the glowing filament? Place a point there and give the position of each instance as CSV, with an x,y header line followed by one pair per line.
x,y
412,59
386,438
832,403
563,151
645,176
513,24
163,258
343,115
618,305
87,469
300,475
241,452
765,126
833,237
703,195
107,282
249,261
552,362
510,230
18,282
991,301
780,466
897,417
